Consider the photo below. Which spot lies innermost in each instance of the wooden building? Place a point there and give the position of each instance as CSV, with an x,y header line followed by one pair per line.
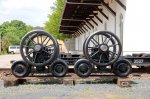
x,y
81,18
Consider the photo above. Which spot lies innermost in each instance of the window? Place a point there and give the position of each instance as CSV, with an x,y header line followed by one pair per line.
x,y
18,47
13,47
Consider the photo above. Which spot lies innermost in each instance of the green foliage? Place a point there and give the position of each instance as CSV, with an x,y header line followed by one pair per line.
x,y
12,32
53,23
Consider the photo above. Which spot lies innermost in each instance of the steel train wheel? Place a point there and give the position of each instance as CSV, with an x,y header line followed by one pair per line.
x,y
83,68
20,69
39,48
122,68
59,68
84,46
105,44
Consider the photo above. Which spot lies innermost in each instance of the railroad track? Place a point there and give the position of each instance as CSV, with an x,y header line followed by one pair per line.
x,y
72,78
6,71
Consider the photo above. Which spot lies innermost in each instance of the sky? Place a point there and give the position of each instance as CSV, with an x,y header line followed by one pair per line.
x,y
35,12
137,26
32,12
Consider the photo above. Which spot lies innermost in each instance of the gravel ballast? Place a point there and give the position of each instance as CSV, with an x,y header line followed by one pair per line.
x,y
140,90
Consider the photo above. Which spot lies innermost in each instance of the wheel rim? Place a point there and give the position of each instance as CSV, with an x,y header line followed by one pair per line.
x,y
59,68
102,48
20,70
84,46
123,68
39,48
83,68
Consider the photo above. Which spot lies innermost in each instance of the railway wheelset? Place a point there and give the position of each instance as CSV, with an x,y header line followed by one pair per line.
x,y
40,53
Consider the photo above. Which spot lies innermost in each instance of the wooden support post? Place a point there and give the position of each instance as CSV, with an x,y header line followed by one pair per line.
x,y
69,26
106,5
81,32
94,21
95,15
67,31
81,29
73,20
100,10
121,4
68,82
84,27
84,4
90,24
8,83
87,26
75,34
98,18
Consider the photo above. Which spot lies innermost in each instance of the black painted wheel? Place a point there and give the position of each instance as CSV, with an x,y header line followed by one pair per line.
x,y
84,46
20,69
83,68
102,48
122,68
59,68
39,48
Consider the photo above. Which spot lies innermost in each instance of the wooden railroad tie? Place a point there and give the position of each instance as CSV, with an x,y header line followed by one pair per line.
x,y
124,82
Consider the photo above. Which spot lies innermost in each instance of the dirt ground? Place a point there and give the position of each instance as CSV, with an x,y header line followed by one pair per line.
x,y
5,60
139,90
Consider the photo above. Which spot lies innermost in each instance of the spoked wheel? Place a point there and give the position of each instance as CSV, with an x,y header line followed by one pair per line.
x,y
102,48
122,68
59,68
83,68
39,48
20,69
84,46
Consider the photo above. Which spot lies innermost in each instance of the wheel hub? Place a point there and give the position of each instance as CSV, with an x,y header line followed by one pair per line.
x,y
59,68
83,67
123,67
19,69
38,47
104,48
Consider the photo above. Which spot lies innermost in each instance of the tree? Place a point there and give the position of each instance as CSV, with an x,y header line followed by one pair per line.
x,y
12,33
52,25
